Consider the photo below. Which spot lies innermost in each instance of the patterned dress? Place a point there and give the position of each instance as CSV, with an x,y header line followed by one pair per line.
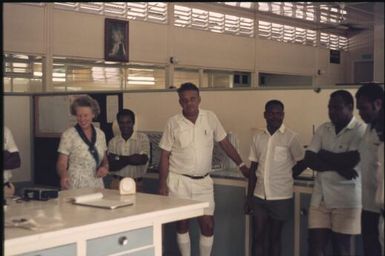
x,y
81,165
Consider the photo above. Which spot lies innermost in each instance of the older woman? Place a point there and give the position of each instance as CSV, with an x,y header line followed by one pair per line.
x,y
82,160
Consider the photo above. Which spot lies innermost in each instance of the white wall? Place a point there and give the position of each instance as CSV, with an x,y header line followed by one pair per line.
x,y
240,112
34,29
17,117
23,29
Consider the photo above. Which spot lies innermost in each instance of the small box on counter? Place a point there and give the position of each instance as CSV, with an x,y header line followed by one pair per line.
x,y
40,193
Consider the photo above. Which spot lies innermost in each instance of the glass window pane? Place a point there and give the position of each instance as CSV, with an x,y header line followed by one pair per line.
x,y
219,79
184,75
77,75
22,73
142,77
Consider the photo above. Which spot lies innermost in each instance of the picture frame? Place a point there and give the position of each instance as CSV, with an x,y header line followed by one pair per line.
x,y
115,40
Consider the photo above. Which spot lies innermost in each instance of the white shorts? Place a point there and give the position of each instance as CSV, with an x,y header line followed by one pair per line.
x,y
339,220
196,189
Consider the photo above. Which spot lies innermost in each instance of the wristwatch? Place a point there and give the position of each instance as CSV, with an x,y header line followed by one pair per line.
x,y
117,158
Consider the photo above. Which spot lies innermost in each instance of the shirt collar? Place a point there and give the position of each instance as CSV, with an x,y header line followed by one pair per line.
x,y
200,115
349,126
281,129
134,136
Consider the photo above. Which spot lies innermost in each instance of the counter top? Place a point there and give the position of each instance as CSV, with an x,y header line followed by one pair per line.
x,y
61,218
228,174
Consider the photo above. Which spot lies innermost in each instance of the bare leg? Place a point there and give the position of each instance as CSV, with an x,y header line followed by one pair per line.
x,y
343,244
318,241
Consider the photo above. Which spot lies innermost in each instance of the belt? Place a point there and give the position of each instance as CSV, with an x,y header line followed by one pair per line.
x,y
196,177
120,177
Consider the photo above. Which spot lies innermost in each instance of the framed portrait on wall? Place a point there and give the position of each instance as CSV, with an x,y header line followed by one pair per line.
x,y
116,40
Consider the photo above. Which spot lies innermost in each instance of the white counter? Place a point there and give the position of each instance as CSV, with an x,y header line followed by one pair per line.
x,y
65,224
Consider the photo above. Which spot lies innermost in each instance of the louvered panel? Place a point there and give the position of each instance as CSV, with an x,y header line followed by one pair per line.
x,y
115,9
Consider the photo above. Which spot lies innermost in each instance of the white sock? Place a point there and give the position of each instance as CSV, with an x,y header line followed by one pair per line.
x,y
184,243
205,245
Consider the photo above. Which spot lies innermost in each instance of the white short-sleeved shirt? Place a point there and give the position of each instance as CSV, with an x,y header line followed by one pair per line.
x,y
380,177
138,143
81,164
369,164
329,186
9,142
276,155
10,146
191,145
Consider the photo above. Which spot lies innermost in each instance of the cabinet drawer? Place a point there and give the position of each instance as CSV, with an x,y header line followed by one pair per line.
x,y
120,242
65,250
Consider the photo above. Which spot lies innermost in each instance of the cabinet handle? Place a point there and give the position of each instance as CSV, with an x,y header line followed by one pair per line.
x,y
303,212
123,240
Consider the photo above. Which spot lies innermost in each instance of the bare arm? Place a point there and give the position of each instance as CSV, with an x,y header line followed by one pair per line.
x,y
233,154
118,163
163,171
251,186
315,162
298,168
11,160
103,168
343,160
62,167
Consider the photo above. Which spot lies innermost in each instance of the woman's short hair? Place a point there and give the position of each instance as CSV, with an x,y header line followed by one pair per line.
x,y
85,101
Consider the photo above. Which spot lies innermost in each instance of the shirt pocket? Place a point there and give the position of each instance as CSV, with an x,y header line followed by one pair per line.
x,y
184,137
206,136
280,153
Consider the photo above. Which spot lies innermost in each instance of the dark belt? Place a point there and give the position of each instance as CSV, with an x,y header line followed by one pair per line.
x,y
196,177
120,177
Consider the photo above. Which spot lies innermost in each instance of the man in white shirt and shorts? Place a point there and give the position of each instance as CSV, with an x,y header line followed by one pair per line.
x,y
185,162
335,207
273,153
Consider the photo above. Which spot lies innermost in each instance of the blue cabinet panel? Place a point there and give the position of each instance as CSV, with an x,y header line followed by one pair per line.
x,y
65,250
120,242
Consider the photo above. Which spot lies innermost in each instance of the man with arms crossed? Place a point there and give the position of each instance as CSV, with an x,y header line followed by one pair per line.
x,y
335,207
273,153
128,151
185,161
